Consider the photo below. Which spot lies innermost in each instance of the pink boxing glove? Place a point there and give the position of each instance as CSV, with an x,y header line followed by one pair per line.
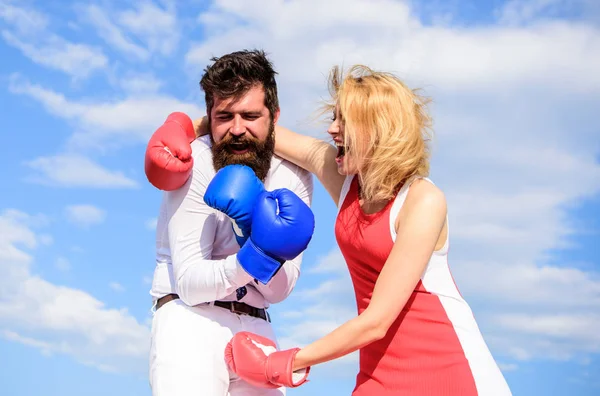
x,y
256,360
168,163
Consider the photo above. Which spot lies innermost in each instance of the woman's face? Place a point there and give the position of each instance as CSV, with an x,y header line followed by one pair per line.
x,y
347,164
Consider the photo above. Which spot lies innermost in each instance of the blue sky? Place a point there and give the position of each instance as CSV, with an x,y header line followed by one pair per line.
x,y
82,87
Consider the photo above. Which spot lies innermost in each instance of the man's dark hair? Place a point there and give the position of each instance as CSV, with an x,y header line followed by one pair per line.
x,y
232,75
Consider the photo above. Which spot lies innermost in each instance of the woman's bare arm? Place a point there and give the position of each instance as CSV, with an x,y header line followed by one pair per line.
x,y
314,155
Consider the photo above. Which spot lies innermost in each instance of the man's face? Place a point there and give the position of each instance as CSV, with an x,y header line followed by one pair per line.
x,y
242,132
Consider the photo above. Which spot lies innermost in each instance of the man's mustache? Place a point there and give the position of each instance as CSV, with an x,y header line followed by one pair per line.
x,y
232,139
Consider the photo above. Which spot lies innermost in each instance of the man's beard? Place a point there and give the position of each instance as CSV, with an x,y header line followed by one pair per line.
x,y
258,157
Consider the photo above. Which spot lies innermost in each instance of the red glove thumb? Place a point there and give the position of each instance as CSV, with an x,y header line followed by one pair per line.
x,y
181,150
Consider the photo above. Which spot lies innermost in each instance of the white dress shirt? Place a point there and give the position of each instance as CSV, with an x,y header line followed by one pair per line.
x,y
196,247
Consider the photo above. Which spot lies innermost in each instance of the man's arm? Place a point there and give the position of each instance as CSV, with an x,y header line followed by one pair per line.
x,y
282,284
192,228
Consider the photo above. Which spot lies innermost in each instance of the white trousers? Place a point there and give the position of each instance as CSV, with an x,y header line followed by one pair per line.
x,y
187,351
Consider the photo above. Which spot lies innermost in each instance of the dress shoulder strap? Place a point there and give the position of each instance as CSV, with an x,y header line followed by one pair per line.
x,y
399,201
344,191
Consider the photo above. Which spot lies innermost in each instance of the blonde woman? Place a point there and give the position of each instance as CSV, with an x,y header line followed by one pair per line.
x,y
415,332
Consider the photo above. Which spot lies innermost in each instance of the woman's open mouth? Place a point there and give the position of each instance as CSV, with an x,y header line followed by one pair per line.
x,y
340,154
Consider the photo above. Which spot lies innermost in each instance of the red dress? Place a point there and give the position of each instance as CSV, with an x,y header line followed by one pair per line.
x,y
434,347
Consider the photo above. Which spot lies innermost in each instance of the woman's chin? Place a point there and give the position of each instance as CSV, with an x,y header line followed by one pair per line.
x,y
339,161
343,167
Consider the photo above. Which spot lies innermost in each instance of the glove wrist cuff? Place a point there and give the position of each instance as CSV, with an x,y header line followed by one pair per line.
x,y
257,263
279,369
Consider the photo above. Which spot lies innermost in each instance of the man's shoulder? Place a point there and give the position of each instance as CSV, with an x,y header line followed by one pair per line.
x,y
286,174
201,145
280,166
202,154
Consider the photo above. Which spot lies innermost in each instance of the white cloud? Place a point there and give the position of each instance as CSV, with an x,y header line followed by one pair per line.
x,y
151,224
74,59
58,319
116,286
508,367
62,264
157,27
562,336
565,326
516,12
100,123
24,20
85,215
46,239
333,262
75,171
141,83
29,34
526,284
111,33
138,32
387,36
77,249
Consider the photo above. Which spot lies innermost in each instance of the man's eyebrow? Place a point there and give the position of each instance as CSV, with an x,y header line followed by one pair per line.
x,y
250,113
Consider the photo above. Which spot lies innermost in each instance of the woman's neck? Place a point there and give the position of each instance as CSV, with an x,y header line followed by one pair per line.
x,y
370,206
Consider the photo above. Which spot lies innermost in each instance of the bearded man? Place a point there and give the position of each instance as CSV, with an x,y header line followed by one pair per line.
x,y
233,224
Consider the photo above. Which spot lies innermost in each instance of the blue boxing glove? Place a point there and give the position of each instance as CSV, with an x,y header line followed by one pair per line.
x,y
234,191
282,227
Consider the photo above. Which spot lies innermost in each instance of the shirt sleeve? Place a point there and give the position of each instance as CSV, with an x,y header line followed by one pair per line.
x,y
192,227
282,284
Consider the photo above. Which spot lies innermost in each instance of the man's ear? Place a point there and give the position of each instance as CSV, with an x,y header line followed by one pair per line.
x,y
276,116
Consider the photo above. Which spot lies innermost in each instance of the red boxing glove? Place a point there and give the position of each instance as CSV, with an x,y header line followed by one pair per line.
x,y
168,163
256,360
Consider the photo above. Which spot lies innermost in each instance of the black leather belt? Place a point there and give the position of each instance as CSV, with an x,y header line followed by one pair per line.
x,y
233,306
